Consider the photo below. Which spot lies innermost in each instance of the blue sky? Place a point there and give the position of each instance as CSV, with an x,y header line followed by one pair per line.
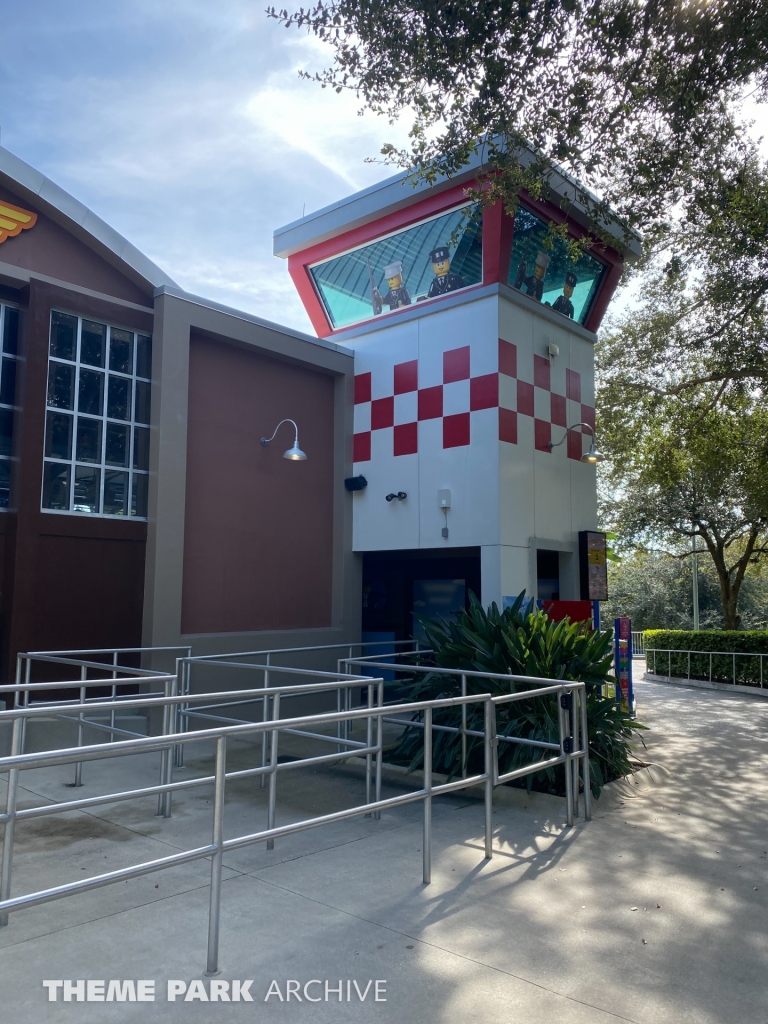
x,y
184,124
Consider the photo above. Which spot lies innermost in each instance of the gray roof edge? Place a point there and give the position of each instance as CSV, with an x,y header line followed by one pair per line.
x,y
239,314
390,195
73,215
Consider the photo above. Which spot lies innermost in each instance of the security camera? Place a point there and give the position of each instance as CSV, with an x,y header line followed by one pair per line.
x,y
400,496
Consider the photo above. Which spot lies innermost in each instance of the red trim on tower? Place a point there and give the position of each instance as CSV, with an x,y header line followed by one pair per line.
x,y
308,295
433,203
605,294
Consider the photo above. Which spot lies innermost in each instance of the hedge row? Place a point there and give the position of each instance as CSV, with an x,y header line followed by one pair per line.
x,y
749,641
701,666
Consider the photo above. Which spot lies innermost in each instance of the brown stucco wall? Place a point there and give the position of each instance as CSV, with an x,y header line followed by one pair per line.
x,y
258,536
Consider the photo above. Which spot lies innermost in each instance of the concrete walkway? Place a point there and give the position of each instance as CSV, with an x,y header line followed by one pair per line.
x,y
655,912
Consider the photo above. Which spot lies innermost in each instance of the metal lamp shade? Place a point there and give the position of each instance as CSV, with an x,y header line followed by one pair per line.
x,y
295,454
593,455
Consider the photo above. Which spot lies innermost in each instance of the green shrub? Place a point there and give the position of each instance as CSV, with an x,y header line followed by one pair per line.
x,y
516,643
742,643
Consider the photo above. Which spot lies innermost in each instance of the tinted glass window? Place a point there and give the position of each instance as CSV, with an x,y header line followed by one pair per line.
x,y
96,458
93,343
426,261
10,330
63,335
542,268
61,385
120,351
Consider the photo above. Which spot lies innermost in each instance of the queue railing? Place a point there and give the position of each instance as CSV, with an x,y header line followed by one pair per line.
x,y
307,725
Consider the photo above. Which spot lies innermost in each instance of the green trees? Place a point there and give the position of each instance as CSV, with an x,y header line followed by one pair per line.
x,y
637,98
654,587
694,469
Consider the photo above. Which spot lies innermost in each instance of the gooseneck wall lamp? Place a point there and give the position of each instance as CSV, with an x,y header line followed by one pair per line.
x,y
593,455
295,454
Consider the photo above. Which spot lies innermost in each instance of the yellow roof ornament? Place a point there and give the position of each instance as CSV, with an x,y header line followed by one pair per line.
x,y
14,220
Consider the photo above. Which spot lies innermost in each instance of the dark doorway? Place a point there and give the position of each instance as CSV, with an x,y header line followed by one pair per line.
x,y
548,575
396,584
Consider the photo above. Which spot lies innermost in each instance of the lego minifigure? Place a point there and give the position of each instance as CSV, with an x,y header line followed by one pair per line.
x,y
562,303
444,281
398,294
533,284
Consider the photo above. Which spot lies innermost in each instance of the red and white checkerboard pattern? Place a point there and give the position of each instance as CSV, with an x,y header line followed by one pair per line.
x,y
459,394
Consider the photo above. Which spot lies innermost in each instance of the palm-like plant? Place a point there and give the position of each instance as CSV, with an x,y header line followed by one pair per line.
x,y
518,641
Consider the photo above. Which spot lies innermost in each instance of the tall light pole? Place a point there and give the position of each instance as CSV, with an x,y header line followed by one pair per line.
x,y
695,578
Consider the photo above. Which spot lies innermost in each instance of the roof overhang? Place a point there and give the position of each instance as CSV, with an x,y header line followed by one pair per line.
x,y
66,211
401,190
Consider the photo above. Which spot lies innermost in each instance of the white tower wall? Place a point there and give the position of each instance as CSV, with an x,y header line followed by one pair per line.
x,y
464,398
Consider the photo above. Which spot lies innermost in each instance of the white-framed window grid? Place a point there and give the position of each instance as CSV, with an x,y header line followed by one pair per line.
x,y
9,333
96,453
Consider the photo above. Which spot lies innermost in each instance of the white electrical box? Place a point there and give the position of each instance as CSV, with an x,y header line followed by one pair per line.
x,y
443,499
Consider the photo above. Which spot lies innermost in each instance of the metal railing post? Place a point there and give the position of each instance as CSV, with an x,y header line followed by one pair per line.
x,y
171,689
369,744
265,718
427,837
10,824
565,746
585,758
379,744
114,696
217,860
79,766
273,769
183,721
575,716
463,728
165,754
489,750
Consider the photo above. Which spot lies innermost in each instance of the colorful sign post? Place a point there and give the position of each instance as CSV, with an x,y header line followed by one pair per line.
x,y
593,565
622,635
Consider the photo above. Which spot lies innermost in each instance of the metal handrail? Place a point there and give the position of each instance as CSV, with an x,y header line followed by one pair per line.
x,y
19,761
303,650
712,654
578,715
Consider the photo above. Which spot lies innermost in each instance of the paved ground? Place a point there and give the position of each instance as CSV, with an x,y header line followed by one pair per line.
x,y
654,913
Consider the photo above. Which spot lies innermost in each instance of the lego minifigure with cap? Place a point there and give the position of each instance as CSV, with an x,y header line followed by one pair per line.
x,y
444,281
398,294
562,303
533,284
